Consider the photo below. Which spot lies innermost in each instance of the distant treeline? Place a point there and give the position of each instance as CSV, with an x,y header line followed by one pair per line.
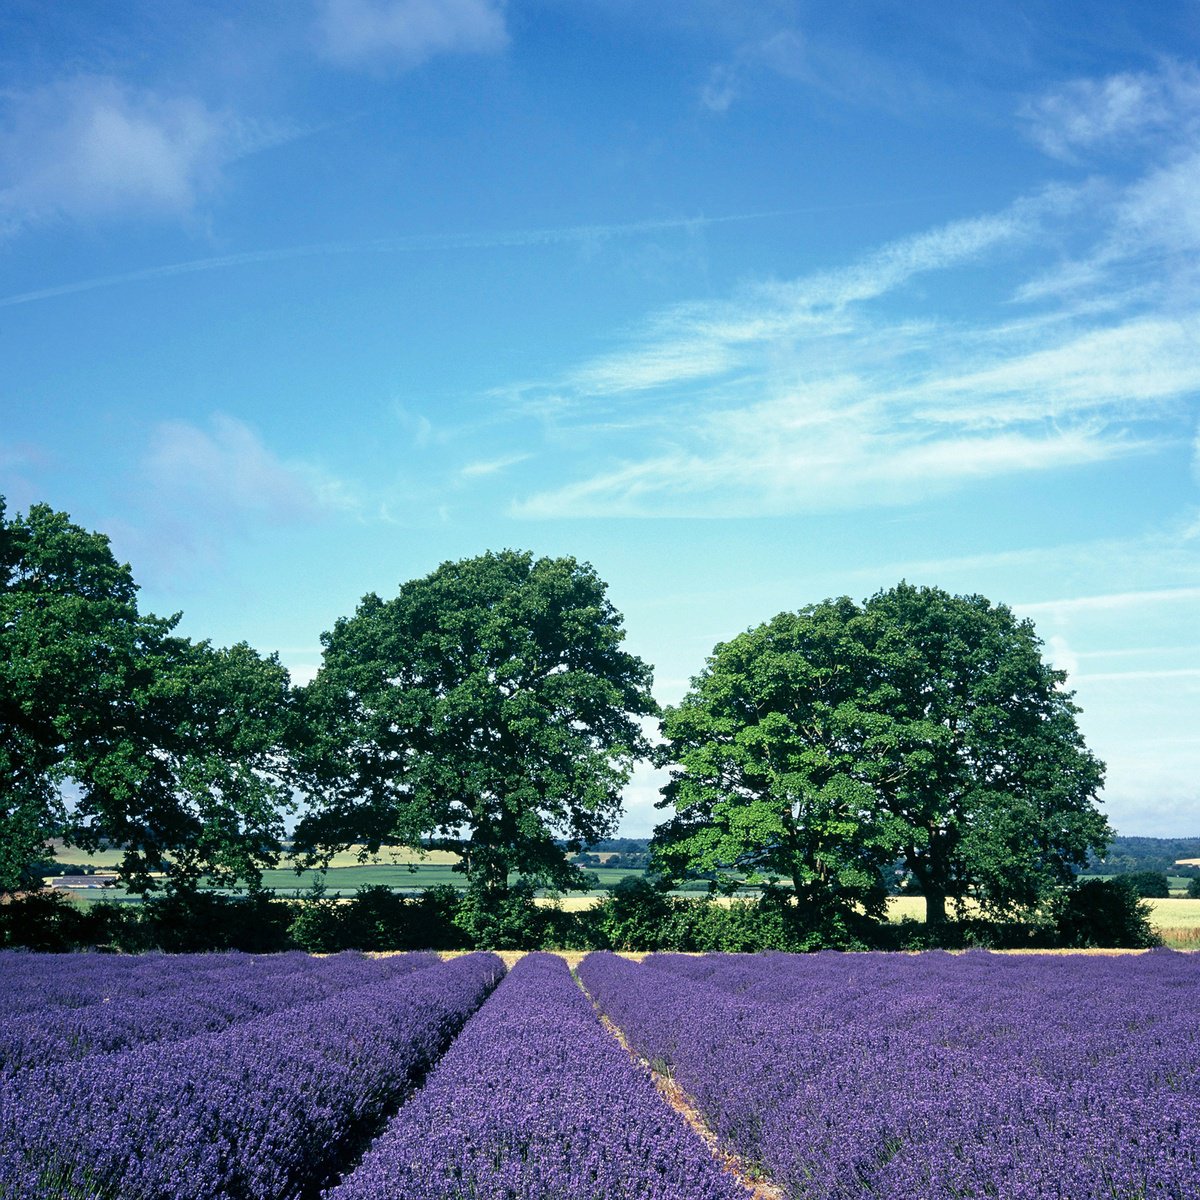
x,y
635,915
1129,854
1126,856
622,854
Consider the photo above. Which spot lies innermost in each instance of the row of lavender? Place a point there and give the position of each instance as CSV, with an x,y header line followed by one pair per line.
x,y
944,1077
267,1108
94,1004
535,1100
30,982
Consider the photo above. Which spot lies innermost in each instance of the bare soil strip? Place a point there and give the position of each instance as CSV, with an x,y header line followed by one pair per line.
x,y
732,1164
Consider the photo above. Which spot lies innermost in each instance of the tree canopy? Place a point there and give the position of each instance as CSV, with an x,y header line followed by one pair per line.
x,y
920,727
488,709
766,782
114,730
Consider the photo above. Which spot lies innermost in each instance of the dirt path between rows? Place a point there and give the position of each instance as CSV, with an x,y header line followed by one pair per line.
x,y
674,1095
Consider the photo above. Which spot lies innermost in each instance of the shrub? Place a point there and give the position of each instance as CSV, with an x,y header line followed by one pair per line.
x,y
192,922
378,919
515,923
41,920
1148,884
1193,888
634,915
431,920
375,919
1106,913
316,924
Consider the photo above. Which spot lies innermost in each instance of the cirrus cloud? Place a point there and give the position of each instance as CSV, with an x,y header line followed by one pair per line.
x,y
405,33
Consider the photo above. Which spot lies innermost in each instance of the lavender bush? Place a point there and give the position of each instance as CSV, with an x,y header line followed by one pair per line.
x,y
932,1076
265,1110
162,999
536,1100
31,982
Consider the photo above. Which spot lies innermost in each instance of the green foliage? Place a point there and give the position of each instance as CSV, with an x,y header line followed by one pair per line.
x,y
635,915
1193,888
766,783
174,750
193,922
826,744
1150,885
488,709
508,920
639,915
1106,913
180,922
68,625
374,920
317,925
975,752
45,921
378,919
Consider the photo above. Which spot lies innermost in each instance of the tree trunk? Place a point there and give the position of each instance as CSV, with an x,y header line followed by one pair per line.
x,y
935,895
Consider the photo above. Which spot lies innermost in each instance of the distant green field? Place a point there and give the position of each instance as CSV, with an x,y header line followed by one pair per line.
x,y
346,880
388,856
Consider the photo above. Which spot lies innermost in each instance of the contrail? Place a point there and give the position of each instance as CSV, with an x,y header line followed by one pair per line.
x,y
397,245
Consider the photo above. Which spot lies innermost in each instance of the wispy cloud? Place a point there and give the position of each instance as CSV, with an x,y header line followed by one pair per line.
x,y
226,471
405,33
92,147
580,235
491,466
1134,364
896,378
750,464
1114,112
1113,601
841,69
701,341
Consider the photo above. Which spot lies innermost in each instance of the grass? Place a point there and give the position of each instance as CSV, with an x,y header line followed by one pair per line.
x,y
401,868
387,856
1177,922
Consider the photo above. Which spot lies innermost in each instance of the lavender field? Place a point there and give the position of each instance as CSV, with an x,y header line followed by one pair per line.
x,y
936,1076
829,1076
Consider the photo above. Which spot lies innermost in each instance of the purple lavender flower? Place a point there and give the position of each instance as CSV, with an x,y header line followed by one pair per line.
x,y
266,1109
110,1005
536,1100
932,1076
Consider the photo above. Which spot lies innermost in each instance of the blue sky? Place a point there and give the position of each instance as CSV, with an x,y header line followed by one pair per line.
x,y
746,304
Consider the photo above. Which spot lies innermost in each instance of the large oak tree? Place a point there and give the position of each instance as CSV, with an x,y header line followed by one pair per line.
x,y
488,709
115,730
920,726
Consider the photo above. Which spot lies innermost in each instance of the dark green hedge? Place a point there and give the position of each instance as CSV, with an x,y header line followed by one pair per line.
x,y
634,916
